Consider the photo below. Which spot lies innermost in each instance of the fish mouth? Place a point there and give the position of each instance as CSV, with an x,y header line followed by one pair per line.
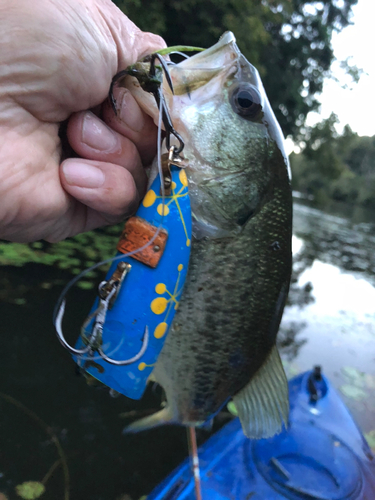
x,y
215,57
198,70
214,54
226,38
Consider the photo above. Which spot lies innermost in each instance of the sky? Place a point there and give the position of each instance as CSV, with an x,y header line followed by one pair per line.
x,y
355,105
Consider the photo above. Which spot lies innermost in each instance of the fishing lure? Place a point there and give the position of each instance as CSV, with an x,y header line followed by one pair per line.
x,y
129,321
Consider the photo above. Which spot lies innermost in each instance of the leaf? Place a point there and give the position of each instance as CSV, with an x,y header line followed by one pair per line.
x,y
20,301
232,408
370,438
85,285
355,376
291,369
353,392
30,490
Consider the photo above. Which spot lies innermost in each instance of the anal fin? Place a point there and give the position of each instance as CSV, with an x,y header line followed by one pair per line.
x,y
161,417
263,404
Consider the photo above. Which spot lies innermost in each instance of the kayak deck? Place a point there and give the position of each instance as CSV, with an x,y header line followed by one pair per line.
x,y
322,455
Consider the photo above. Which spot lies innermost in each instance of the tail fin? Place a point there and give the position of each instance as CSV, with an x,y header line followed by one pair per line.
x,y
162,417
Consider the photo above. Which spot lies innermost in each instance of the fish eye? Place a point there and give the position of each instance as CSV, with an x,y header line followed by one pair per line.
x,y
246,101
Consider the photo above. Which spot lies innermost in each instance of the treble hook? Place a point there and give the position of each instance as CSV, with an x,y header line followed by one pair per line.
x,y
130,360
159,98
108,291
151,82
60,335
167,122
163,64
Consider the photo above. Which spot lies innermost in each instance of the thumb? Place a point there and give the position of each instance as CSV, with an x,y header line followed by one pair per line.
x,y
106,188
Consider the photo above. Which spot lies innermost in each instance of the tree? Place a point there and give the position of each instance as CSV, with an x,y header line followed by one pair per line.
x,y
333,166
289,41
317,168
361,157
299,57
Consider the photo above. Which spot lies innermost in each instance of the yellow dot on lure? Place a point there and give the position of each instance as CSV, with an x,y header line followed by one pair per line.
x,y
180,267
160,330
149,199
160,288
160,209
159,305
174,185
143,365
183,178
188,242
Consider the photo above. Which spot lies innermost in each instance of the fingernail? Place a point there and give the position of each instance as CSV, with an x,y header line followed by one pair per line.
x,y
97,135
82,174
130,112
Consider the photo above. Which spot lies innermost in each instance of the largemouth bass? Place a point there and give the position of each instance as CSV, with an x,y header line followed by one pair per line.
x,y
222,342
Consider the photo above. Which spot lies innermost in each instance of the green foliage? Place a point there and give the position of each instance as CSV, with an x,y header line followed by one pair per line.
x,y
289,41
333,166
370,438
74,254
232,408
358,385
353,392
30,490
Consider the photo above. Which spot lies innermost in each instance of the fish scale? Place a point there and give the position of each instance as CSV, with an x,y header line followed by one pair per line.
x,y
221,344
237,298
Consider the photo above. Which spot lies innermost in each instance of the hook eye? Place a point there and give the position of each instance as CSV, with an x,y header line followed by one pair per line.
x,y
177,150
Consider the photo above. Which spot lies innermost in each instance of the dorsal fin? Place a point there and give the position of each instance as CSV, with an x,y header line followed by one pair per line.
x,y
263,404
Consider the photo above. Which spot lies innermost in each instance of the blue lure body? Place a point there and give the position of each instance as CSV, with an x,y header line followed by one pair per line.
x,y
148,297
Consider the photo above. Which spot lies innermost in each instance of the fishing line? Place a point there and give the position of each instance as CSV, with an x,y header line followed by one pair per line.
x,y
185,56
194,460
60,304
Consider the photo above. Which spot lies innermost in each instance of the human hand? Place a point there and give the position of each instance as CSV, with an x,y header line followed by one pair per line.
x,y
57,61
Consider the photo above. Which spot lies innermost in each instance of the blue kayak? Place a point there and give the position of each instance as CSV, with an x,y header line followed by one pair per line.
x,y
322,455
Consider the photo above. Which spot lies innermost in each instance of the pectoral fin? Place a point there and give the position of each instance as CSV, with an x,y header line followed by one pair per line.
x,y
263,405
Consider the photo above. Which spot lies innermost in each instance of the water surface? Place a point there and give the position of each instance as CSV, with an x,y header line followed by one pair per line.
x,y
329,321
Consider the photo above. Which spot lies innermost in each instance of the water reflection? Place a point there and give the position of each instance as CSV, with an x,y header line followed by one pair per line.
x,y
336,240
329,319
287,342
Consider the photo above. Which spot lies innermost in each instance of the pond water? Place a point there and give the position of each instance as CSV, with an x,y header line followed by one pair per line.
x,y
55,428
330,319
